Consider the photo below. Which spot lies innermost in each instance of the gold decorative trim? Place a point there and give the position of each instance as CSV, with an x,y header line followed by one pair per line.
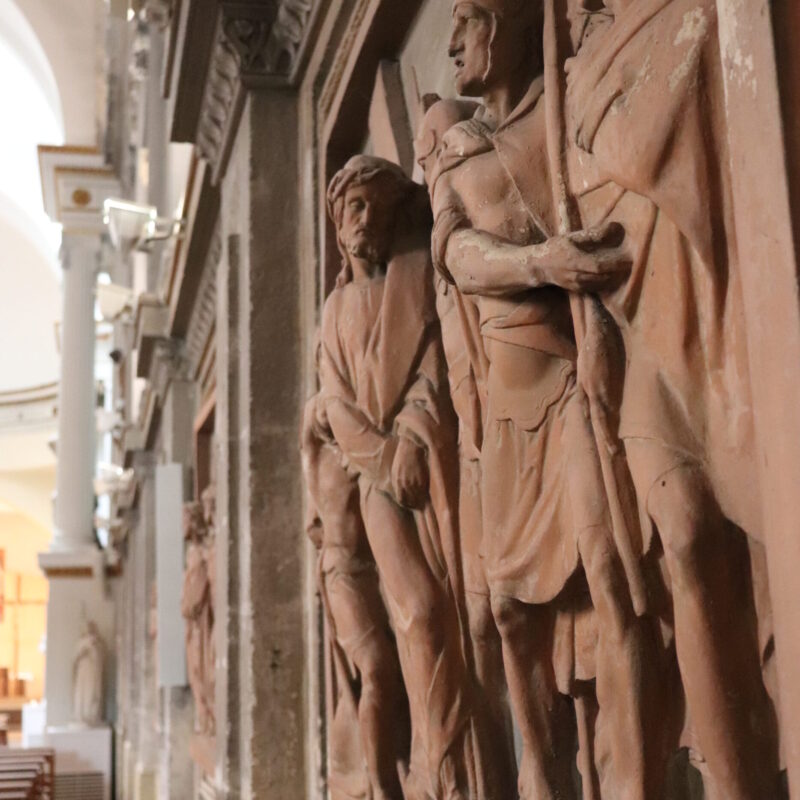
x,y
58,172
69,149
68,572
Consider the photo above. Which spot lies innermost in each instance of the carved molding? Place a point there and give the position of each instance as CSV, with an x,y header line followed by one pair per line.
x,y
246,30
256,44
288,34
343,53
204,313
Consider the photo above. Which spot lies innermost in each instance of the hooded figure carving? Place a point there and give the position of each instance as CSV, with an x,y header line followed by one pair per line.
x,y
384,397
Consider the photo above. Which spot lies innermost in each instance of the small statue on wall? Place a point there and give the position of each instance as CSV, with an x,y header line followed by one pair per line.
x,y
87,677
208,500
199,614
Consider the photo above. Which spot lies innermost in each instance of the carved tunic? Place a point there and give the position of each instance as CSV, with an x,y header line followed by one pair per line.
x,y
529,517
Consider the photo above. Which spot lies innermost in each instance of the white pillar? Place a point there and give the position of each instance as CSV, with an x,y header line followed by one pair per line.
x,y
76,410
74,565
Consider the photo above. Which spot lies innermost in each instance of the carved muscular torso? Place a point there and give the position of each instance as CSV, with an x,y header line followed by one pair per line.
x,y
528,336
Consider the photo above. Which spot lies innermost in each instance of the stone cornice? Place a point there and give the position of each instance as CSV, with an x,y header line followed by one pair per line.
x,y
250,44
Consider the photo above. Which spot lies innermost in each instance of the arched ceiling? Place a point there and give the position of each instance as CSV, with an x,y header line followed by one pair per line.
x,y
52,90
29,296
71,34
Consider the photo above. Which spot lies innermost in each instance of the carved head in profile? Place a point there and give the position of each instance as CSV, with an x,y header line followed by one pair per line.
x,y
363,201
493,40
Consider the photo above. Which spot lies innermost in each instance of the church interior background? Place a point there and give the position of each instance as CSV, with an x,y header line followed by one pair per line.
x,y
200,470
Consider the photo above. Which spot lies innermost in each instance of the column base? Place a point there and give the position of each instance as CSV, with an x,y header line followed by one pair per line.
x,y
78,594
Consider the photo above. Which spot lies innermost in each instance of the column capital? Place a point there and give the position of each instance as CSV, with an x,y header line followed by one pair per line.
x,y
75,182
243,45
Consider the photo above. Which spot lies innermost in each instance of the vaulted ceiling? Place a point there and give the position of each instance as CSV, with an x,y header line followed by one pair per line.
x,y
52,92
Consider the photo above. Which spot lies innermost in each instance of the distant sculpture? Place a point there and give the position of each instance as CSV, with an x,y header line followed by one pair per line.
x,y
385,398
368,740
87,677
208,499
545,504
199,615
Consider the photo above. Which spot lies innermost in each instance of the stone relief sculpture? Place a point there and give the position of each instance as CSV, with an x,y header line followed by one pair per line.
x,y
208,500
87,677
197,610
369,739
467,366
581,539
685,414
545,507
384,397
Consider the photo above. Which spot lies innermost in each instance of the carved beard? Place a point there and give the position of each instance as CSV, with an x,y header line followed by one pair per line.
x,y
364,246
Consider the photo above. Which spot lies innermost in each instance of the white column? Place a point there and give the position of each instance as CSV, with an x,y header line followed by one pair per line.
x,y
76,410
74,565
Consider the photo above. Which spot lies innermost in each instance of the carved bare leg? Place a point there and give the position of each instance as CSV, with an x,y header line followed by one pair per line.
x,y
428,637
361,628
627,675
716,638
626,656
544,716
379,703
494,722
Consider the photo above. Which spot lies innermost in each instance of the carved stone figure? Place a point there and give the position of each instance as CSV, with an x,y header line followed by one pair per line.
x,y
199,615
385,398
650,73
208,500
467,367
544,498
87,677
366,723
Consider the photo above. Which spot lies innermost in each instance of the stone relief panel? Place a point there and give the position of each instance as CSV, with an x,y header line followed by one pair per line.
x,y
529,458
197,606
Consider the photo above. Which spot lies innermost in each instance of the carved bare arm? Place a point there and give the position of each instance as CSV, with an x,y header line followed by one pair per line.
x,y
584,261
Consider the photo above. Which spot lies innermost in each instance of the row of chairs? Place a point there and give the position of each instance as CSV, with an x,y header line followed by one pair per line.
x,y
26,774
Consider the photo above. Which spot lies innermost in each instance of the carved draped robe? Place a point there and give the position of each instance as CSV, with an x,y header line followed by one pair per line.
x,y
382,374
647,147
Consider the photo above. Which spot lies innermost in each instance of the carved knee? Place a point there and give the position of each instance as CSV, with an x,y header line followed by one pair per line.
x,y
376,665
508,616
428,619
482,627
608,585
687,518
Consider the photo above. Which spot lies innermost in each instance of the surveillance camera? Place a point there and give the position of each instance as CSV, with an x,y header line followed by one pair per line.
x,y
116,355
